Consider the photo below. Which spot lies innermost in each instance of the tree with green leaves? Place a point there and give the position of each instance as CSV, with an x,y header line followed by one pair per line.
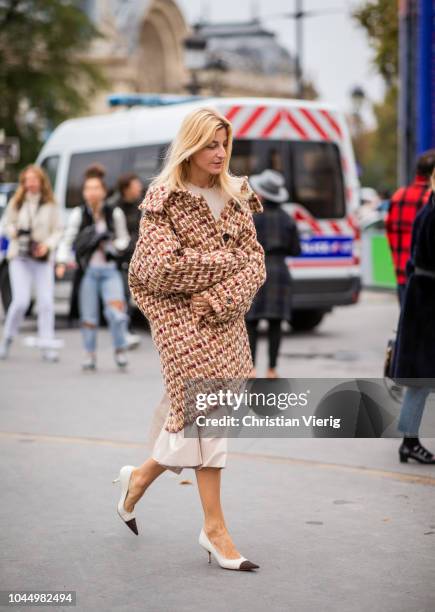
x,y
44,77
379,18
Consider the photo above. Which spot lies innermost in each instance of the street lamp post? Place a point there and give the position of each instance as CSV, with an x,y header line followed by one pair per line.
x,y
299,40
217,67
194,52
358,97
299,15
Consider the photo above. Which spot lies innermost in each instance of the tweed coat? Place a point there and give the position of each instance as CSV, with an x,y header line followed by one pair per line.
x,y
183,250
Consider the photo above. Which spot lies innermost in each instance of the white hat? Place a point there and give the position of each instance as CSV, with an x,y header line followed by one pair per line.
x,y
270,185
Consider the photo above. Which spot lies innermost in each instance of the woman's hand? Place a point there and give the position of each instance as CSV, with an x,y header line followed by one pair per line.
x,y
41,249
60,270
200,305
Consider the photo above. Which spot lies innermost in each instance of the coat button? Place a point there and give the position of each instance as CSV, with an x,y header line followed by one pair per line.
x,y
229,300
226,237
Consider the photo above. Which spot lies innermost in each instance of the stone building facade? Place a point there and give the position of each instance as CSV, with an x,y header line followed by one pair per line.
x,y
142,50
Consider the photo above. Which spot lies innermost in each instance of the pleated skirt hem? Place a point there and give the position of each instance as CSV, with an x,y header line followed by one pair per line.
x,y
175,451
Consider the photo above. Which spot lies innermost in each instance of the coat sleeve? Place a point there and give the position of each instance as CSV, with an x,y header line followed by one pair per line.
x,y
64,252
162,266
122,237
232,297
56,228
9,220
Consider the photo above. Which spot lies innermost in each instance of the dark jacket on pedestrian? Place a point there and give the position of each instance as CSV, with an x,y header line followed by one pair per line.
x,y
414,356
278,235
80,236
132,215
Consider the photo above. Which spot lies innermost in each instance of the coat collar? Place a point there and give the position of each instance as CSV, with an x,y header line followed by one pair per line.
x,y
156,197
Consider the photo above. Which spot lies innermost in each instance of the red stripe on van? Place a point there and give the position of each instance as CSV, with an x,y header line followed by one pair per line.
x,y
232,112
331,263
252,119
335,227
302,133
332,122
354,225
272,124
315,123
299,216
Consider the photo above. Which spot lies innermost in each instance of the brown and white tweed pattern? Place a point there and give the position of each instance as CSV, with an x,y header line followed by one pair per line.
x,y
182,249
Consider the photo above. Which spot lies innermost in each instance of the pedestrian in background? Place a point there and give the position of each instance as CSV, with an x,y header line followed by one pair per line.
x,y
405,204
131,192
414,356
32,223
278,235
98,233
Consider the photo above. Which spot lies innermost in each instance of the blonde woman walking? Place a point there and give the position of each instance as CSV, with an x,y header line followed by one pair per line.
x,y
33,225
195,270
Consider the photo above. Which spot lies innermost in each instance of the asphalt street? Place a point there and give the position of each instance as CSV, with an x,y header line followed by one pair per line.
x,y
336,525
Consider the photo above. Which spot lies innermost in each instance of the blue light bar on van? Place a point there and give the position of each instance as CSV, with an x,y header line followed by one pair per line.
x,y
149,99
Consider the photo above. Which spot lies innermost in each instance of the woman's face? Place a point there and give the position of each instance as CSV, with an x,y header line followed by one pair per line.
x,y
211,157
32,182
93,191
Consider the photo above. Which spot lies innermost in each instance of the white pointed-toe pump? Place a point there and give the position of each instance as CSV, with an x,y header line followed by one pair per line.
x,y
241,563
129,518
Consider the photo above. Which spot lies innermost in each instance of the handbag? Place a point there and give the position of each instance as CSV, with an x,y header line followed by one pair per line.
x,y
33,255
28,246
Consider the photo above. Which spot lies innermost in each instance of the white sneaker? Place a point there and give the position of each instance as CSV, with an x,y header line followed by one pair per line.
x,y
121,359
90,362
5,345
50,355
133,341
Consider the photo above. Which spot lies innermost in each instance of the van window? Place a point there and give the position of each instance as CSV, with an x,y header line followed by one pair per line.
x,y
114,162
144,161
317,178
147,161
312,171
51,165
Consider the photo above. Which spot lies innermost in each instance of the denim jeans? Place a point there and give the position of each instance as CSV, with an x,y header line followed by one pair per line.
x,y
412,410
107,282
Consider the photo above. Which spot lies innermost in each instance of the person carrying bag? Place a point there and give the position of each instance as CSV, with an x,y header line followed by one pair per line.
x,y
33,225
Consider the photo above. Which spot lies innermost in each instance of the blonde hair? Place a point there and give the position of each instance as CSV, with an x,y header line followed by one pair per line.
x,y
47,196
432,180
197,130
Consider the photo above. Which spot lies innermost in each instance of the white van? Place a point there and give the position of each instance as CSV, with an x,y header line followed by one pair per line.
x,y
308,142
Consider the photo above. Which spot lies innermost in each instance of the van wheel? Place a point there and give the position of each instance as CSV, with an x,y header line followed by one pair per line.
x,y
306,320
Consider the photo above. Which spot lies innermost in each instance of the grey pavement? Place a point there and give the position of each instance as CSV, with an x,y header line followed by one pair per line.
x,y
335,525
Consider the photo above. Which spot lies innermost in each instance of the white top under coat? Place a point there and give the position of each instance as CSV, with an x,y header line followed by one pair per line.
x,y
213,196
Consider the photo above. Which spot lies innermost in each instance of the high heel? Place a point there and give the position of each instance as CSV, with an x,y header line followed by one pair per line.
x,y
124,477
241,563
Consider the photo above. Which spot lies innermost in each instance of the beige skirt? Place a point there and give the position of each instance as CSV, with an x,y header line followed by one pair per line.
x,y
175,452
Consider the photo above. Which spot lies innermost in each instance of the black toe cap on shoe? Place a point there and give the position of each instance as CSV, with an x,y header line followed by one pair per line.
x,y
132,524
248,565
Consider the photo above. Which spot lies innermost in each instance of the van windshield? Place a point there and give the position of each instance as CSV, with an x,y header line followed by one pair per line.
x,y
312,171
145,161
